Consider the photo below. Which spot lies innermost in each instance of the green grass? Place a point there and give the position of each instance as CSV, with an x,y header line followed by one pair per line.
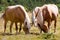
x,y
35,36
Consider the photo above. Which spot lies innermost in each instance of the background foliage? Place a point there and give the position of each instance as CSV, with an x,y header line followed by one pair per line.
x,y
28,4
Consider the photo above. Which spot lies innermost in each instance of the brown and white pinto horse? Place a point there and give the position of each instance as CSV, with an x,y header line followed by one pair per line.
x,y
49,13
37,20
16,14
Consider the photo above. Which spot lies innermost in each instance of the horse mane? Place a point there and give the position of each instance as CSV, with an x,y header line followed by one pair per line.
x,y
26,14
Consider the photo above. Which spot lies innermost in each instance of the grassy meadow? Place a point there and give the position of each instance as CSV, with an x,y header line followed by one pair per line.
x,y
34,30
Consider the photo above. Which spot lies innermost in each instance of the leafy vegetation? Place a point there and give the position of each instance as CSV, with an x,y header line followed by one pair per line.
x,y
28,4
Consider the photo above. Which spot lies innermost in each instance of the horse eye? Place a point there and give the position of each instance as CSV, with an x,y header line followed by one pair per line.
x,y
26,23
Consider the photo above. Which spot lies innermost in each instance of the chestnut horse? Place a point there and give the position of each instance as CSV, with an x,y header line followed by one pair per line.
x,y
49,13
16,14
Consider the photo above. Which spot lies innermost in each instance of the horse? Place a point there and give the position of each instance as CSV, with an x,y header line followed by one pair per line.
x,y
49,13
37,20
16,14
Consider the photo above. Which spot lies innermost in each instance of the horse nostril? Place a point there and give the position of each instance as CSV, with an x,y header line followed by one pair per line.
x,y
43,28
38,25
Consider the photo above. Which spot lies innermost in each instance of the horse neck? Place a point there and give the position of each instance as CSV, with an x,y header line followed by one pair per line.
x,y
26,15
40,18
27,18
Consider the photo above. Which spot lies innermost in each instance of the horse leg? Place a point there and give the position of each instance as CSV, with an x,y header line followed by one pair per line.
x,y
20,27
40,31
11,27
16,27
55,26
39,28
49,23
5,23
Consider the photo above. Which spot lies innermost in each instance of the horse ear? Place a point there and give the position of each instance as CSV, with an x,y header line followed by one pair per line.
x,y
37,12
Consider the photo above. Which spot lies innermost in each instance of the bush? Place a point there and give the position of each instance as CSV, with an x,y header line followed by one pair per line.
x,y
28,4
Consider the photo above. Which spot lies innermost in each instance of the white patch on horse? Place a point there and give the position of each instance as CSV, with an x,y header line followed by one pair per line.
x,y
33,16
27,19
40,18
54,9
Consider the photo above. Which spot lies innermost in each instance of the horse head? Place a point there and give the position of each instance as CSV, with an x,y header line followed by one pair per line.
x,y
38,20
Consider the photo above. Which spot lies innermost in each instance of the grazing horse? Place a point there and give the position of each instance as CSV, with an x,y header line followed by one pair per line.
x,y
16,14
49,14
37,20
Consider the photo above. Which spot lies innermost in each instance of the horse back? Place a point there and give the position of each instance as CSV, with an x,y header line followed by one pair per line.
x,y
14,14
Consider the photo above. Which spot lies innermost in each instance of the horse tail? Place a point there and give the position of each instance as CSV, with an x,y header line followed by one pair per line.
x,y
2,16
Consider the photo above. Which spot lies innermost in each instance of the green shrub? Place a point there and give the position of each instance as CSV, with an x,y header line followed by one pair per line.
x,y
28,4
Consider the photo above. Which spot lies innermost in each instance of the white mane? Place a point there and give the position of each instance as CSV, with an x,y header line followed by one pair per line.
x,y
27,17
